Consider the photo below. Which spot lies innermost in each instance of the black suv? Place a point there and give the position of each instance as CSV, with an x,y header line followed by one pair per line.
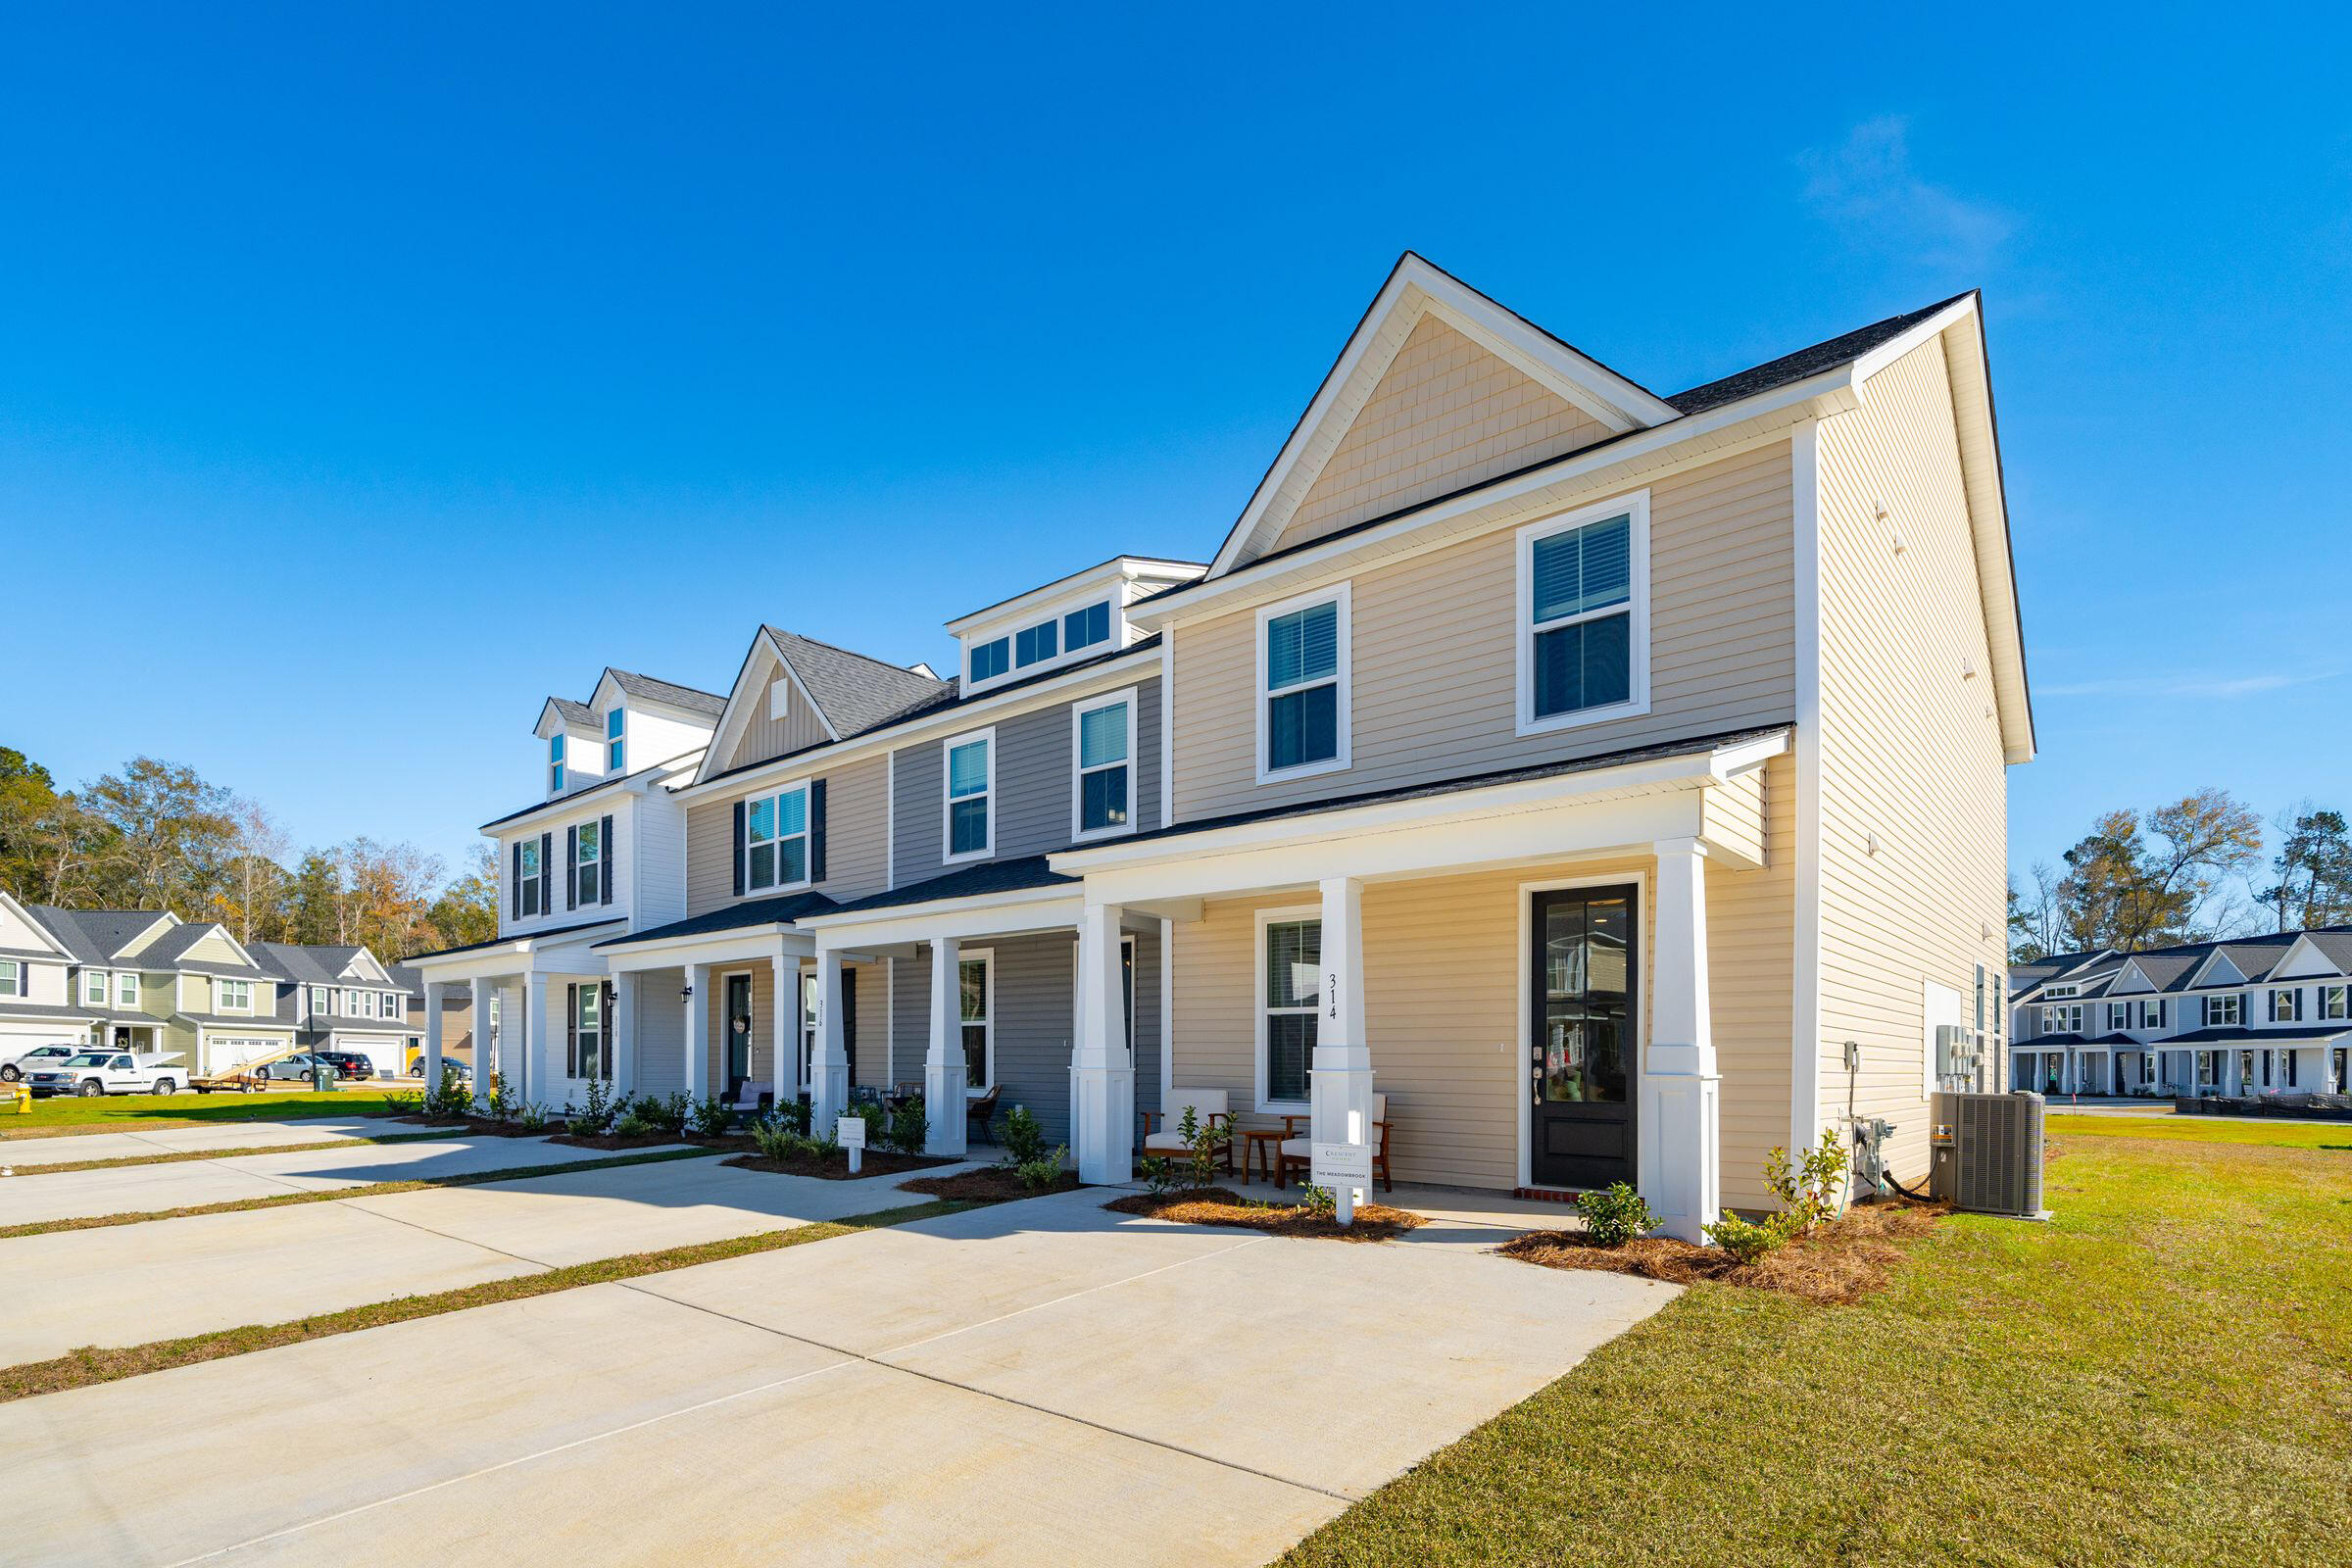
x,y
350,1063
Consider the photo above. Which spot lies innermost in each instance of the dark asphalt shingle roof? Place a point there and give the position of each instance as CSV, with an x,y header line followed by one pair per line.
x,y
166,953
268,1022
93,936
690,697
63,1009
571,712
573,797
855,692
2285,1037
1456,785
514,936
779,910
1790,369
1015,875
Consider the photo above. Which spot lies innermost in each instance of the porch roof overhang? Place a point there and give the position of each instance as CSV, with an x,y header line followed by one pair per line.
x,y
1702,790
993,899
764,928
2288,1039
559,949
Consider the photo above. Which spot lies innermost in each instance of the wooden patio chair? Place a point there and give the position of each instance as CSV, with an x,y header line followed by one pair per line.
x,y
979,1112
1208,1107
1300,1151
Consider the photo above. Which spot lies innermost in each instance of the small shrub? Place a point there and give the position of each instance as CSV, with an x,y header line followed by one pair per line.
x,y
635,1123
1318,1200
775,1138
597,1115
667,1114
1044,1171
1808,1195
452,1096
1614,1215
1200,1137
794,1114
870,1112
1025,1137
533,1118
1159,1177
404,1102
498,1102
1745,1240
909,1126
712,1116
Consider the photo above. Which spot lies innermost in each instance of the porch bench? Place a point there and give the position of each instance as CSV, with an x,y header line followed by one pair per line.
x,y
1300,1151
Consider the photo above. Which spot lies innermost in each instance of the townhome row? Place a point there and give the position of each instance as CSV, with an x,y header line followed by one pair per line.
x,y
140,980
2254,1015
1573,780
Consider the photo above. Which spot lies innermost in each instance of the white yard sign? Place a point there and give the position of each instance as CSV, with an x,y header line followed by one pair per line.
x,y
1341,1169
850,1132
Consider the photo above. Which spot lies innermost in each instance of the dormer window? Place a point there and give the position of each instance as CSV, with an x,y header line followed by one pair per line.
x,y
614,741
1083,628
1035,645
990,660
555,764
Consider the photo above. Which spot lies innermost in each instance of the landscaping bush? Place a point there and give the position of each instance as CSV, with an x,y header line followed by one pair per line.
x,y
533,1118
712,1116
1025,1137
404,1102
452,1096
1044,1171
1159,1177
598,1115
664,1116
1745,1240
1808,1195
794,1114
499,1104
909,1126
870,1112
775,1138
1615,1216
1200,1137
1318,1199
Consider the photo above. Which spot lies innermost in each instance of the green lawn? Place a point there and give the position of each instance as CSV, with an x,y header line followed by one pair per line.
x,y
2162,1374
69,1113
2208,1130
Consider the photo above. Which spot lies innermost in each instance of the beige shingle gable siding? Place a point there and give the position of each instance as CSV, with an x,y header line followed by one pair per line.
x,y
1447,414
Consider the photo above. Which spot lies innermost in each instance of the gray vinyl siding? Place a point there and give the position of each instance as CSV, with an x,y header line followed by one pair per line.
x,y
1034,752
661,1037
856,838
764,737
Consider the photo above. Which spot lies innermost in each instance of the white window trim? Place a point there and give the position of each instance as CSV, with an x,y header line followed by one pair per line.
x,y
2235,997
988,1003
806,835
100,982
2293,995
2343,1003
1344,595
221,995
126,997
1257,1002
1636,507
18,975
947,809
1078,770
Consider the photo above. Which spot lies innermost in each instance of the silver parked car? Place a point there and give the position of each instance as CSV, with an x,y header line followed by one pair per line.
x,y
14,1070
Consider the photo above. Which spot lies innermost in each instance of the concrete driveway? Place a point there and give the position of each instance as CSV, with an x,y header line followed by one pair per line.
x,y
131,1142
132,1284
1039,1382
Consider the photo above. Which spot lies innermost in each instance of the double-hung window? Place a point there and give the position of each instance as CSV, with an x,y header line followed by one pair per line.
x,y
975,1007
2287,1005
1302,680
587,1057
93,987
1102,740
2334,1002
1289,989
775,840
1083,628
235,996
12,978
126,990
1033,644
2224,1011
555,764
1583,615
588,863
529,861
991,658
968,830
319,1004
615,742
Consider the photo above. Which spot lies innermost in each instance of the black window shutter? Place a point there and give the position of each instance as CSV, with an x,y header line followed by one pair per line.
x,y
739,848
514,883
605,850
817,830
572,866
547,871
571,1030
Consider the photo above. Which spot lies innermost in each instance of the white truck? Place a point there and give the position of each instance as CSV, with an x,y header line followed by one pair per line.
x,y
107,1072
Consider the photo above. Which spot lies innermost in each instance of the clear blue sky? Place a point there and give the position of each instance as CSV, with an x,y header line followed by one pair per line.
x,y
367,375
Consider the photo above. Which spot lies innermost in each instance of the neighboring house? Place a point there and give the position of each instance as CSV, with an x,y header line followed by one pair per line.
x,y
136,980
457,1019
2251,1015
1584,770
344,999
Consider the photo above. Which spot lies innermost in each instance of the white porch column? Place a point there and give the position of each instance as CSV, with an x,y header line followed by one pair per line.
x,y
487,1044
1339,1081
433,990
829,1063
1680,1116
2233,1077
534,1035
943,1060
784,975
698,1042
1101,1073
624,1024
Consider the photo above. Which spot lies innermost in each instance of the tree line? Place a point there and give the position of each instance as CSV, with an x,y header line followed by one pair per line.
x,y
2191,870
157,836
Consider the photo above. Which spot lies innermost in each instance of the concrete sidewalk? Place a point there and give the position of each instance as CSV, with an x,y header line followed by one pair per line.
x,y
1038,1382
131,1142
132,1284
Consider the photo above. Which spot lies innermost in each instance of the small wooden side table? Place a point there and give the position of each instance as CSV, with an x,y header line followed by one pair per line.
x,y
1262,1146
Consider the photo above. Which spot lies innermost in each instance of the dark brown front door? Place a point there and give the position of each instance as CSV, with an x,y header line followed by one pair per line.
x,y
1584,964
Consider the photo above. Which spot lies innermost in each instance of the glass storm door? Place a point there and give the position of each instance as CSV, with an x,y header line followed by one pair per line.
x,y
739,1030
1584,1068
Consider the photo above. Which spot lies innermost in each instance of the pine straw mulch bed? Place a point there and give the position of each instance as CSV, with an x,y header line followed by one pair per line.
x,y
1838,1264
836,1167
1221,1205
991,1184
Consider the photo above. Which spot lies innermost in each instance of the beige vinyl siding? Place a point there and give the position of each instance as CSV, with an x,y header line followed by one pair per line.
x,y
1445,415
213,947
1751,965
1446,1005
856,838
1910,752
764,737
1434,650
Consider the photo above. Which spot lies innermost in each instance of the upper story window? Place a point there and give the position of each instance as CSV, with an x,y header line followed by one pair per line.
x,y
2287,1005
555,764
2334,1002
990,660
775,840
2062,1020
2062,991
1103,759
1583,615
588,864
616,741
970,830
526,877
126,990
93,987
1303,684
1083,628
234,996
1033,644
2228,1010
319,1002
12,978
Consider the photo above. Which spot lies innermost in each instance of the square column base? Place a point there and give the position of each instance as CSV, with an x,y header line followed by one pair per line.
x,y
1102,1124
829,1095
944,1105
1681,1135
